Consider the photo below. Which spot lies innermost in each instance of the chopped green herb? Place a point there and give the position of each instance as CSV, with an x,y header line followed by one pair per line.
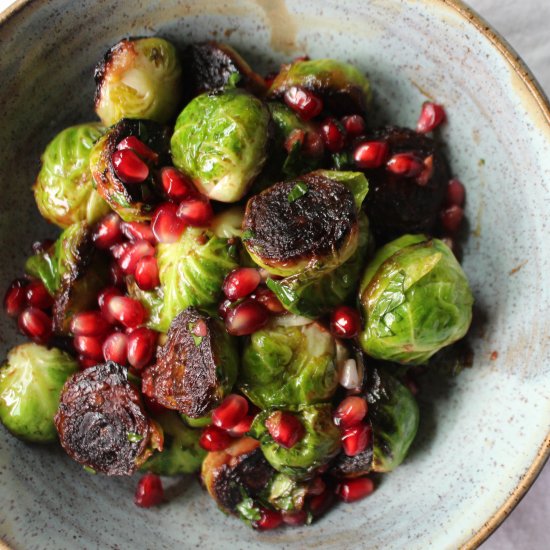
x,y
248,510
481,162
232,250
233,80
134,437
248,234
89,469
299,190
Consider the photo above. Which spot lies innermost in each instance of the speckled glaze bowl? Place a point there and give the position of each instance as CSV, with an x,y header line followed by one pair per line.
x,y
484,435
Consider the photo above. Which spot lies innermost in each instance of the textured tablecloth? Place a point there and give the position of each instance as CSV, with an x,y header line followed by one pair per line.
x,y
526,25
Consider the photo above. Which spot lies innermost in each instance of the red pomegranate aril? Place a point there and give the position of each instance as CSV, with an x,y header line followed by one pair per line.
x,y
241,282
270,519
176,186
350,411
268,299
451,218
38,296
246,318
200,329
303,102
355,489
356,439
118,250
90,346
35,324
116,275
141,347
214,439
15,298
319,504
431,116
285,429
147,273
333,135
103,301
370,154
138,231
230,412
455,193
296,136
149,491
295,518
86,362
345,322
354,125
115,348
224,307
406,165
107,232
130,258
313,145
136,145
89,323
127,311
195,212
242,427
129,167
166,225
317,486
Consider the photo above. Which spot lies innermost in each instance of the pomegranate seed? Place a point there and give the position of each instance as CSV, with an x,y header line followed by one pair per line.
x,y
138,231
405,164
431,116
313,145
86,362
268,299
319,504
89,323
107,232
246,318
136,145
224,307
15,298
200,329
427,172
149,491
295,518
451,218
333,135
195,212
285,428
35,324
345,322
118,250
129,167
214,439
270,519
147,273
116,275
356,439
241,282
316,487
350,412
455,193
130,258
370,154
349,376
115,348
90,346
304,102
242,427
230,411
167,226
127,311
141,347
354,125
355,489
103,301
38,296
296,136
176,186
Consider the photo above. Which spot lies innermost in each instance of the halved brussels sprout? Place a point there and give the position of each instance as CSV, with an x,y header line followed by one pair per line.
x,y
30,384
318,447
343,88
220,141
138,78
289,366
415,299
63,190
137,201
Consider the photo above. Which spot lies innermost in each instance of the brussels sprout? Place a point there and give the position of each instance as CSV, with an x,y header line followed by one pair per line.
x,y
152,300
228,223
220,141
138,78
137,201
285,493
200,422
45,266
319,445
342,87
63,190
181,454
415,299
289,366
30,384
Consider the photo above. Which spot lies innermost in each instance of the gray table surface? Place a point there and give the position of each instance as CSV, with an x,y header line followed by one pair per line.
x,y
526,26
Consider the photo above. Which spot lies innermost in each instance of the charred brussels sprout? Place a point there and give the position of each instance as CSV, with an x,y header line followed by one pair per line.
x,y
30,384
318,447
343,88
220,141
289,366
138,78
64,191
415,299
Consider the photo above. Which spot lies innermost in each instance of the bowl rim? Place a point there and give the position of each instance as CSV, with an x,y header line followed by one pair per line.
x,y
543,104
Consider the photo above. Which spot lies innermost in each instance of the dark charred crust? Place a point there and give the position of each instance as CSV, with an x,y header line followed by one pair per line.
x,y
352,466
98,410
312,226
397,205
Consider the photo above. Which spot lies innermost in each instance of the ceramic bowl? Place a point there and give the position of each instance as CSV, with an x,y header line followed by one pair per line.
x,y
484,435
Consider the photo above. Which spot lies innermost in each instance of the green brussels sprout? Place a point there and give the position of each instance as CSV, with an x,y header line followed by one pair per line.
x,y
415,300
63,189
45,266
289,366
319,445
220,141
286,493
138,78
152,300
182,453
200,422
343,88
31,381
228,223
